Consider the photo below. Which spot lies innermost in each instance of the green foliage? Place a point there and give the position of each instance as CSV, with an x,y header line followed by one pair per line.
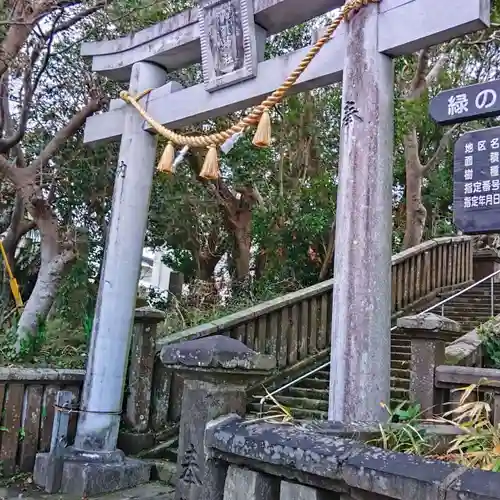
x,y
477,441
402,432
181,314
55,344
296,178
489,334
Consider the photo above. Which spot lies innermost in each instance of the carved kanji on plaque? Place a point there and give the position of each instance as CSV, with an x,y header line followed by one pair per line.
x,y
228,45
190,469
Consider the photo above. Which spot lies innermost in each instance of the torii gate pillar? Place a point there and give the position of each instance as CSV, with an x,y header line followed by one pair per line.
x,y
361,319
94,465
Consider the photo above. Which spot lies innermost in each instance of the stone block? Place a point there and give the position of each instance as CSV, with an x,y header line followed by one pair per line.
x,y
429,324
475,484
216,351
245,484
466,350
89,478
395,475
132,443
486,262
292,491
164,471
216,372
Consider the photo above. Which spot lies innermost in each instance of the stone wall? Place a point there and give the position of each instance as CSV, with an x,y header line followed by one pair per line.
x,y
267,461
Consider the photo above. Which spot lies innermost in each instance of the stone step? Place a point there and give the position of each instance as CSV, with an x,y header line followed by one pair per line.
x,y
400,383
400,394
400,373
323,374
401,349
305,392
398,364
469,310
304,403
485,285
297,413
401,342
311,388
401,356
474,320
307,414
313,383
477,294
470,297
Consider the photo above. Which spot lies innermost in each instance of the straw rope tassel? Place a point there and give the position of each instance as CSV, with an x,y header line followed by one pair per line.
x,y
166,163
210,169
262,137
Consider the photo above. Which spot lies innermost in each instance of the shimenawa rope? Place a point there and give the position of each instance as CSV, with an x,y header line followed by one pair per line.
x,y
259,114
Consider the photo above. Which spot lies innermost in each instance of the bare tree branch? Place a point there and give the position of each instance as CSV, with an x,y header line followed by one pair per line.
x,y
25,17
4,101
78,17
95,104
440,151
421,82
418,83
9,142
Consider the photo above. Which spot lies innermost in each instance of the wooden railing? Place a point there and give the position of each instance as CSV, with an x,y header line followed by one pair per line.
x,y
296,327
450,381
27,412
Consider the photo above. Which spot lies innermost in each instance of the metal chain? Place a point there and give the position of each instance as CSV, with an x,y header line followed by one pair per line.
x,y
254,116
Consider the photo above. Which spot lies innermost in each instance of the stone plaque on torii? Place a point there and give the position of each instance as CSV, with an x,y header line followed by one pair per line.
x,y
361,55
228,38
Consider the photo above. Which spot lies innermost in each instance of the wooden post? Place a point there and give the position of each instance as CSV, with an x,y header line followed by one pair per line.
x,y
361,322
428,334
496,409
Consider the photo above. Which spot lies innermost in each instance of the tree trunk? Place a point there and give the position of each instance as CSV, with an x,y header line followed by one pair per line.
x,y
206,265
241,251
237,213
52,269
327,265
415,211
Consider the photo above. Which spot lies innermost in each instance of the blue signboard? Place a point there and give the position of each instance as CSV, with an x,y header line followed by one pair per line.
x,y
476,181
466,103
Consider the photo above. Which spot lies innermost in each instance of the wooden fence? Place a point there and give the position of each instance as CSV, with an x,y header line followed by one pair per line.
x,y
451,380
297,326
27,412
27,397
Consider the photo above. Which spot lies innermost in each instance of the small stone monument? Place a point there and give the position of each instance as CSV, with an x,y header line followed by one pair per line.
x,y
216,371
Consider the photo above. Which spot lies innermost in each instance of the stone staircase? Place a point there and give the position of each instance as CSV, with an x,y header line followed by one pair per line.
x,y
295,329
308,399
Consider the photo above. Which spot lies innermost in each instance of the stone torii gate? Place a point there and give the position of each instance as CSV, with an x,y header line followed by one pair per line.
x,y
361,55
